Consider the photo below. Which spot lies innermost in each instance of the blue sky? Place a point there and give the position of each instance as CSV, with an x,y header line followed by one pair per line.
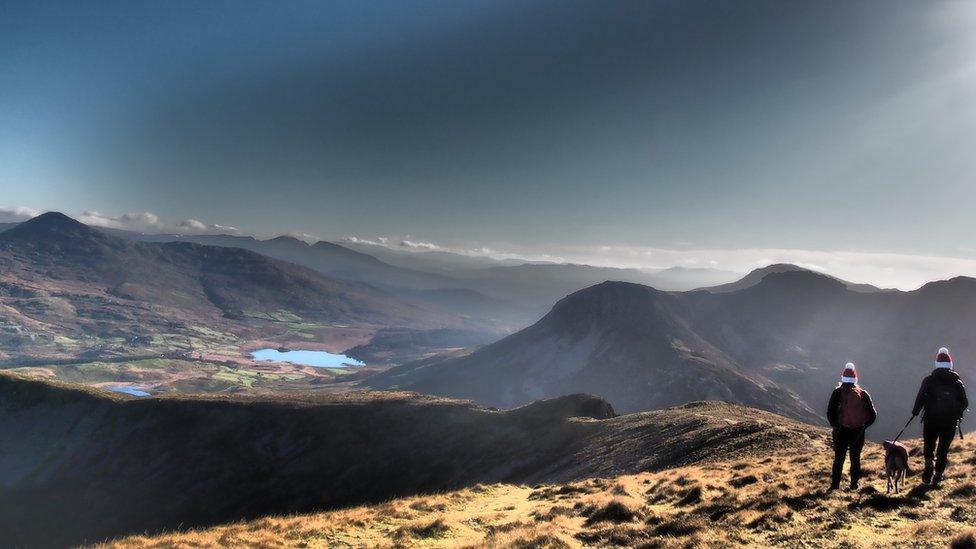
x,y
708,133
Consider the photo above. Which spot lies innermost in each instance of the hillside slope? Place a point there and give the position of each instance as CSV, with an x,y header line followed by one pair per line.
x,y
776,501
108,464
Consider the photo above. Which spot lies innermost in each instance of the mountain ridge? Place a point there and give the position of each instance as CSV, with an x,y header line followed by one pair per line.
x,y
630,343
785,337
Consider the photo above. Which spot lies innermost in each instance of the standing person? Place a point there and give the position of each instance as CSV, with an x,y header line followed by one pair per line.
x,y
850,411
942,396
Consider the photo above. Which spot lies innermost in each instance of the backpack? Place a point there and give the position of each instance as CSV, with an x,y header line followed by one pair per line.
x,y
853,409
943,401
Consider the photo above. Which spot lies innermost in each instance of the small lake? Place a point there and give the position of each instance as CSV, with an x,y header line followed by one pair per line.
x,y
134,391
319,359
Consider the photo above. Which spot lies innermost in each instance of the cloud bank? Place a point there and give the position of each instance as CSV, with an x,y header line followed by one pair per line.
x,y
148,222
884,269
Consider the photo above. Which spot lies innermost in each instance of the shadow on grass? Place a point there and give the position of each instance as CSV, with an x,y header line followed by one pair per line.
x,y
884,502
921,491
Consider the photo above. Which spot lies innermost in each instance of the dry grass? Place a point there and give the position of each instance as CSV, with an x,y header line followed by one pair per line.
x,y
780,501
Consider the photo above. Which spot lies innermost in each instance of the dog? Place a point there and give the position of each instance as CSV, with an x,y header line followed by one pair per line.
x,y
896,464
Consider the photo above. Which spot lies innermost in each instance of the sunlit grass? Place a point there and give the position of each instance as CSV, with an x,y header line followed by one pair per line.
x,y
782,502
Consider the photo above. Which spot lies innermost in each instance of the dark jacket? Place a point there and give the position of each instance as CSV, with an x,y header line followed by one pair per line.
x,y
942,396
833,407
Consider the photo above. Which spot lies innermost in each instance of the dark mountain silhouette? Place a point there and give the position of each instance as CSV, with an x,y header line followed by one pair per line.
x,y
799,328
54,230
756,276
80,465
789,335
629,343
65,279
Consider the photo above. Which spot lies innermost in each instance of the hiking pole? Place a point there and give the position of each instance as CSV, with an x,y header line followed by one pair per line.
x,y
903,428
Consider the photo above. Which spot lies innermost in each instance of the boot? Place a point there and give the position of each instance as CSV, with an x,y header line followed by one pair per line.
x,y
927,473
855,484
938,479
834,485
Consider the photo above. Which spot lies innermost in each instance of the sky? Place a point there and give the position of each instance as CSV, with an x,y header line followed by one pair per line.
x,y
836,134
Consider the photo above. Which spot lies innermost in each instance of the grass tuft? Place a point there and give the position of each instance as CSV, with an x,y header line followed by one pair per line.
x,y
615,511
436,528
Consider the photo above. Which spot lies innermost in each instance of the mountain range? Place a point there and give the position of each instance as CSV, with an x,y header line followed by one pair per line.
x,y
778,345
506,294
774,339
66,288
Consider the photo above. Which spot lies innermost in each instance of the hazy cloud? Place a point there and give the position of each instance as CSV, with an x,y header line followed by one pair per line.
x,y
381,241
16,213
411,246
429,246
892,270
148,222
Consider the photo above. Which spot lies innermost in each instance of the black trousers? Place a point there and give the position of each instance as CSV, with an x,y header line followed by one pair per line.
x,y
938,437
847,441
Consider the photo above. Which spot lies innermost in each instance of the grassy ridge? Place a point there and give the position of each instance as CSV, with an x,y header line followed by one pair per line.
x,y
109,465
777,501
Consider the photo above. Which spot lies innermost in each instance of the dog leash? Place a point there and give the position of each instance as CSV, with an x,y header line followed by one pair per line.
x,y
898,436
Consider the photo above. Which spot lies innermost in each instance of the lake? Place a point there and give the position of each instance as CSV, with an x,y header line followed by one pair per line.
x,y
319,359
134,391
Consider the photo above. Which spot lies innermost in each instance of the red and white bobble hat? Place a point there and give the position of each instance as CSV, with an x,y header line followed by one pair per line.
x,y
943,359
850,374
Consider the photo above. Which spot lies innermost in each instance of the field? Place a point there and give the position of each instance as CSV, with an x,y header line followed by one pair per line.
x,y
177,375
776,501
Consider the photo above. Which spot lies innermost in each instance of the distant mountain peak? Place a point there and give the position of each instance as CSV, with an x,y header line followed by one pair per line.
x,y
801,279
50,225
613,290
798,273
612,301
949,284
288,239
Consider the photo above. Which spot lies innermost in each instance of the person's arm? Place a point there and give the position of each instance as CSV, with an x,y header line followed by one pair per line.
x,y
920,398
832,408
872,412
963,399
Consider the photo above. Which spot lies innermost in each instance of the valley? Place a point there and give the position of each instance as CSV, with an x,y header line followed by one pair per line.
x,y
74,298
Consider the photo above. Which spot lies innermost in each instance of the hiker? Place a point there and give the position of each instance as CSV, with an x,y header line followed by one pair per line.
x,y
850,411
942,396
